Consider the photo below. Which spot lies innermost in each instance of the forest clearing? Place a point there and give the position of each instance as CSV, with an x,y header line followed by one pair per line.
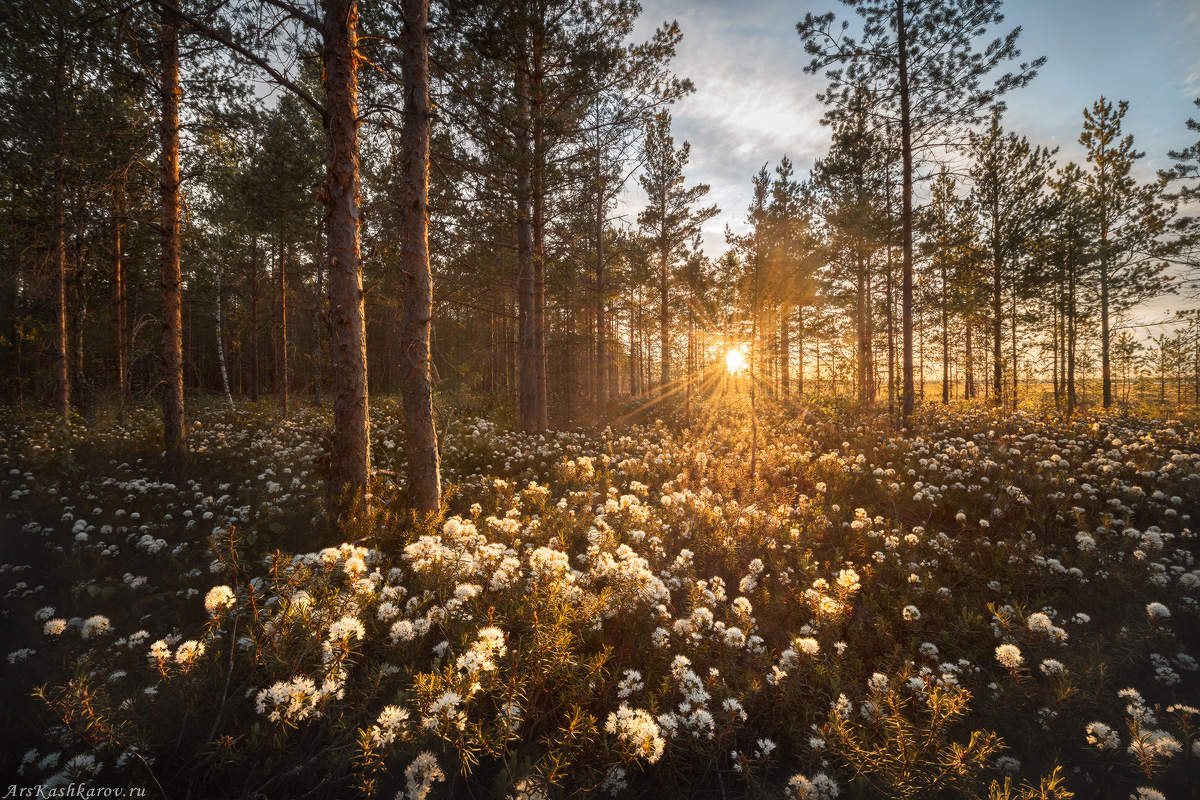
x,y
392,405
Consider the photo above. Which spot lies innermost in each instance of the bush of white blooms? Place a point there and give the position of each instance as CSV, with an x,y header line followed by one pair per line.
x,y
996,606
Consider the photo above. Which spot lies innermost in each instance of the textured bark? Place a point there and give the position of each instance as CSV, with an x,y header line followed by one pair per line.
x,y
62,362
351,451
221,342
254,374
120,296
284,388
527,330
785,352
601,320
172,305
318,257
537,103
416,383
906,219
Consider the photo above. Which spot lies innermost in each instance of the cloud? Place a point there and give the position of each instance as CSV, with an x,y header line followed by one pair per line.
x,y
753,103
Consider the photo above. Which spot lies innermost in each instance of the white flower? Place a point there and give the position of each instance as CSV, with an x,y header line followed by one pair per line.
x,y
637,730
1052,666
95,626
1157,611
54,627
421,775
218,599
1009,656
1101,736
188,652
911,613
818,787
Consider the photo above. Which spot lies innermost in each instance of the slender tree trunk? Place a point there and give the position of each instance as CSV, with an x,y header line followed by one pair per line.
x,y
906,216
254,368
527,297
62,359
120,309
539,234
601,320
997,310
1105,366
351,450
785,351
221,341
800,349
1012,324
318,300
284,387
416,383
172,312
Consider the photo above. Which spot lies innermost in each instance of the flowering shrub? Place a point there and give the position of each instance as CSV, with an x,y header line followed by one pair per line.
x,y
999,606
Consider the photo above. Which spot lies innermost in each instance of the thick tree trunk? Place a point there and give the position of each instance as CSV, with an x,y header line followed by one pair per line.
x,y
351,451
416,382
172,306
906,217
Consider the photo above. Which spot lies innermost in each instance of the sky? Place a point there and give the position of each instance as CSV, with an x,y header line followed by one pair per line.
x,y
753,102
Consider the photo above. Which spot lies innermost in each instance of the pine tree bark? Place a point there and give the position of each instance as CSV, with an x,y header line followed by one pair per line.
x,y
906,217
221,341
318,299
284,388
351,451
601,321
62,359
120,295
539,236
785,351
172,305
416,382
526,295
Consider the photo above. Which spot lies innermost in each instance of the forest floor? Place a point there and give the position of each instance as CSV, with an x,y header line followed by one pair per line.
x,y
1003,603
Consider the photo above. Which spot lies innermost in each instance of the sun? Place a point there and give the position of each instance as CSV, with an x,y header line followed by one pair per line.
x,y
735,360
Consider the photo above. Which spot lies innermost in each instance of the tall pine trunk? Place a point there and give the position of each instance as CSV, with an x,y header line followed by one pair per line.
x,y
351,450
416,382
62,359
172,306
906,217
120,296
221,341
601,321
284,387
526,294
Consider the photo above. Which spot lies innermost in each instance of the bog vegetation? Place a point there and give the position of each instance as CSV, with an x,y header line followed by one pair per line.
x,y
892,498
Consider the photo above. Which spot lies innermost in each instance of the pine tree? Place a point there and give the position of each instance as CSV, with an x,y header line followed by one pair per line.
x,y
1129,219
1008,175
919,63
670,218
